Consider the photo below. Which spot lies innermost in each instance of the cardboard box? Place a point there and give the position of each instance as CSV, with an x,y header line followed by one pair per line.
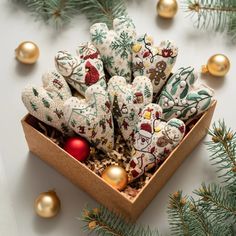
x,y
94,185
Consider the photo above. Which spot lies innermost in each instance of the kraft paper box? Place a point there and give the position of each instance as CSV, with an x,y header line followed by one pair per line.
x,y
94,185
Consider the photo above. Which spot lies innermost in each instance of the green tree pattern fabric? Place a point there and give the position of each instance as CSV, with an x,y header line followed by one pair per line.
x,y
46,102
115,45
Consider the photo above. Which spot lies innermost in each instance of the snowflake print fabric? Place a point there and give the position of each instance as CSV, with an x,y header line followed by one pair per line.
x,y
184,98
115,45
83,70
92,117
128,101
154,139
154,62
46,103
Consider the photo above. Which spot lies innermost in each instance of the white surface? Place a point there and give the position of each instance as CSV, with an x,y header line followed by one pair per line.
x,y
27,176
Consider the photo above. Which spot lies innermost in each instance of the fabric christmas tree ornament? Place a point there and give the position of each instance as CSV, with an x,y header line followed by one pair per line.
x,y
154,139
155,62
115,45
83,70
184,97
128,101
92,117
46,102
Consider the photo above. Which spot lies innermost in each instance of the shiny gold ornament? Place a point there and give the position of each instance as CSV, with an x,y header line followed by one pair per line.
x,y
218,65
27,52
47,204
116,176
167,8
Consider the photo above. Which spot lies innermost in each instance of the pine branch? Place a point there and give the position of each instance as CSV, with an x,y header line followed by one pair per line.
x,y
60,12
223,153
102,10
218,203
203,223
217,15
106,223
178,214
203,217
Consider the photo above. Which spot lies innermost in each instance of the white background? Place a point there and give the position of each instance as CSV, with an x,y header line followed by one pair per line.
x,y
23,176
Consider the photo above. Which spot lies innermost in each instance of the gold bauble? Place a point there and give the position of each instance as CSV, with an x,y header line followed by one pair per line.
x,y
167,8
47,204
27,52
218,65
116,176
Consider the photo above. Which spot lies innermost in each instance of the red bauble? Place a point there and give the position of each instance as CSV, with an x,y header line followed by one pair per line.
x,y
77,147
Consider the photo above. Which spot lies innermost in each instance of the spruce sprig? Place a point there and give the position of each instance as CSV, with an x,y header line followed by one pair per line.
x,y
217,202
211,212
106,223
178,214
217,15
60,12
222,152
102,10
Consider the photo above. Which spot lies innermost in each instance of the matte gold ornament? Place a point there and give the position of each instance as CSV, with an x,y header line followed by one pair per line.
x,y
167,8
47,204
116,176
27,52
218,65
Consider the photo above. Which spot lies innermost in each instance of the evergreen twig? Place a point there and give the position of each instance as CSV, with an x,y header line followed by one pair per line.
x,y
106,223
213,213
222,152
217,15
60,12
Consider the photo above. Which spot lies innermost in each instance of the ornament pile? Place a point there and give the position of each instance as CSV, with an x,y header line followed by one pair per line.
x,y
132,116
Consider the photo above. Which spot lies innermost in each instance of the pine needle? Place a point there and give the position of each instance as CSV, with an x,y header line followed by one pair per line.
x,y
216,15
60,12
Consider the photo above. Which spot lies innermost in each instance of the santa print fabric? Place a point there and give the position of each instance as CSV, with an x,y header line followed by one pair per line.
x,y
154,139
128,101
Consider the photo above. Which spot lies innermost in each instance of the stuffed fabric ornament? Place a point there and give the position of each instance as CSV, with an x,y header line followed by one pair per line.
x,y
83,70
46,102
115,45
184,98
92,117
154,62
128,101
154,139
